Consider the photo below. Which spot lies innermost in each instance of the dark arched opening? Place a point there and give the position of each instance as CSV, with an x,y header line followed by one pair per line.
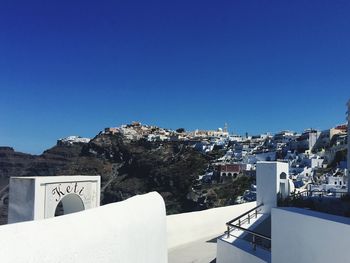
x,y
71,203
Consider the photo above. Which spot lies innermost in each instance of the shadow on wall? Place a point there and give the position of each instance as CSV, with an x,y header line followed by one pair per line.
x,y
111,233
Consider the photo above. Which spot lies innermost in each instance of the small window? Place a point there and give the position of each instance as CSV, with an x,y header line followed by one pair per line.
x,y
335,182
283,176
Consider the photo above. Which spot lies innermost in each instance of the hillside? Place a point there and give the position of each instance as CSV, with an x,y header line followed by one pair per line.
x,y
126,167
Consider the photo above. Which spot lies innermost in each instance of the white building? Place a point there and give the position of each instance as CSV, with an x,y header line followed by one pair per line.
x,y
312,161
284,136
137,230
73,139
337,180
235,138
348,159
334,184
261,156
268,233
308,139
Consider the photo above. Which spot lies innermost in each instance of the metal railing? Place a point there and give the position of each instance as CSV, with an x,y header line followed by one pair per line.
x,y
4,190
317,193
257,239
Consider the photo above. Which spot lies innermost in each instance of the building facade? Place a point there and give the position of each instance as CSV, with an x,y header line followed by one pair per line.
x,y
348,160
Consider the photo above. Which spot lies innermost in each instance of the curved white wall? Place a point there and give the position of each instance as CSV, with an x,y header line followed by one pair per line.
x,y
130,231
188,227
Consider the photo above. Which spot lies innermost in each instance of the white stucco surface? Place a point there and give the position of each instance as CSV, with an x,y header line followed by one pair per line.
x,y
268,183
131,231
303,236
189,227
241,251
33,198
198,251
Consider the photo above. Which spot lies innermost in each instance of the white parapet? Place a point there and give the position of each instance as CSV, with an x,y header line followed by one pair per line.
x,y
40,197
303,236
188,227
130,231
240,252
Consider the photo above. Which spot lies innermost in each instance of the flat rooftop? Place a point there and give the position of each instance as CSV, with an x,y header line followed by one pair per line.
x,y
199,251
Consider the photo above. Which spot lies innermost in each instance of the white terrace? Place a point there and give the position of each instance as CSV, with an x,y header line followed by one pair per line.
x,y
138,230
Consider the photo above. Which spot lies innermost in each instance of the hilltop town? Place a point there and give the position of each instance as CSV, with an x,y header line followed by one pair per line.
x,y
199,170
193,170
317,159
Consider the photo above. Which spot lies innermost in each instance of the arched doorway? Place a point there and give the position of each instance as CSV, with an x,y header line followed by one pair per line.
x,y
284,185
70,203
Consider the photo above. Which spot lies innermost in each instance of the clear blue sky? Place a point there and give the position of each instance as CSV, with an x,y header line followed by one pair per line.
x,y
75,67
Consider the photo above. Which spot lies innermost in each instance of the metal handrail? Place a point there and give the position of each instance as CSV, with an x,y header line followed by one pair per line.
x,y
3,190
309,193
242,215
254,234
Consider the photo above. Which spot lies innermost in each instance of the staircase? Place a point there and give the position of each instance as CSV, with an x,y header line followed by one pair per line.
x,y
247,239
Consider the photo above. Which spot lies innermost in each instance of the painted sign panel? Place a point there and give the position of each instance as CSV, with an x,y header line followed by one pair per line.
x,y
55,192
33,198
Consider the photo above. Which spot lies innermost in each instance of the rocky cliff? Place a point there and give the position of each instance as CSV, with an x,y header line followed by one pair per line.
x,y
126,167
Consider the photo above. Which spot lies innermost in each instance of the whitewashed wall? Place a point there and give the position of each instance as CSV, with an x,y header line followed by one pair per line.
x,y
303,236
268,183
241,251
130,231
187,227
